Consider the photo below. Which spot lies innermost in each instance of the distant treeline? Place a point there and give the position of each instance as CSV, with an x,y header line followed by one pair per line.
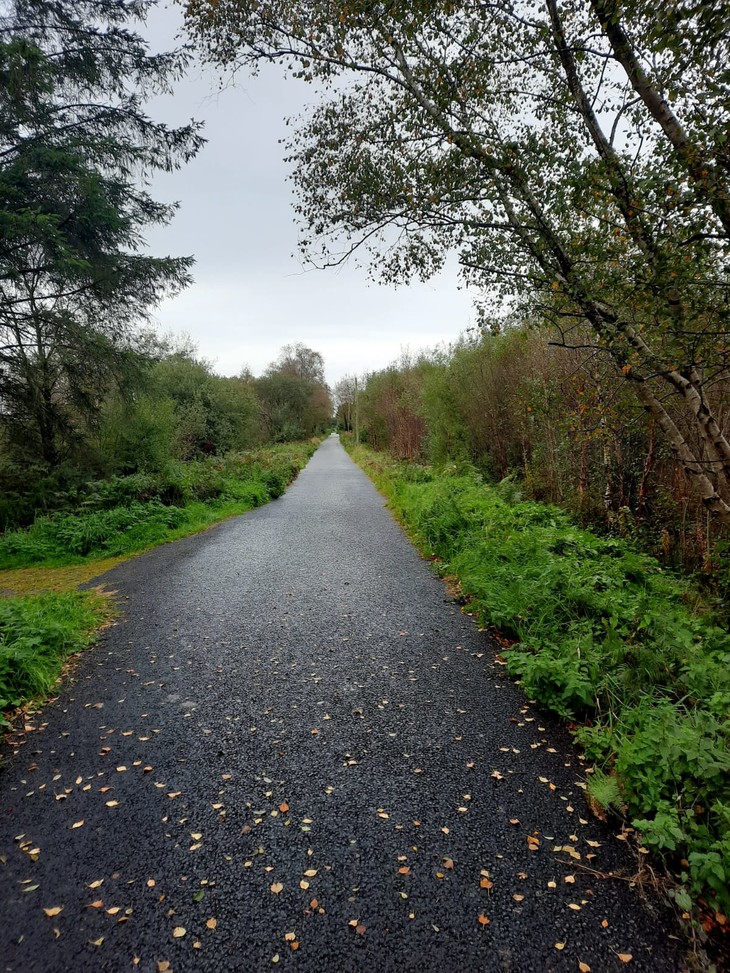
x,y
558,421
166,406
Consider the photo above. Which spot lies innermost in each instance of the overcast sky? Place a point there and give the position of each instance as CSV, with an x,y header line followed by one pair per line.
x,y
251,295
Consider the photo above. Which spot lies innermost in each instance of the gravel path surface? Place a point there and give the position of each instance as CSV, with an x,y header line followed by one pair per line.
x,y
295,752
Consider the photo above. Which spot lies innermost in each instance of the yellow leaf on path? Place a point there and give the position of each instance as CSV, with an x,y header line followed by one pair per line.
x,y
570,879
302,885
178,932
275,958
195,835
584,968
113,911
311,872
96,884
151,883
96,942
289,937
572,905
76,824
53,911
277,887
112,803
211,923
625,957
518,898
163,965
560,945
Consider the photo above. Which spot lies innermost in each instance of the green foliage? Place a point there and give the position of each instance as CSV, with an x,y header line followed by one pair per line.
x,y
36,635
76,154
602,633
127,514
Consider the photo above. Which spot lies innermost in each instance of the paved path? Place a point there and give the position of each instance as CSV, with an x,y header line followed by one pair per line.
x,y
297,749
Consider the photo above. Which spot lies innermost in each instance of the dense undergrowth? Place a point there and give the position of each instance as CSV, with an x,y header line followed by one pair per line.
x,y
127,514
603,636
37,634
118,517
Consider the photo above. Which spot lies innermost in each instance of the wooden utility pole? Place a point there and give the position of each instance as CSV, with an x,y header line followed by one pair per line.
x,y
357,415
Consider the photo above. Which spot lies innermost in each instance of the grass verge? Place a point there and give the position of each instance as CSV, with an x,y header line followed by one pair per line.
x,y
43,619
604,637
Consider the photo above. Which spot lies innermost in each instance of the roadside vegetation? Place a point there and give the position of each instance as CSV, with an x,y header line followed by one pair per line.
x,y
110,520
600,633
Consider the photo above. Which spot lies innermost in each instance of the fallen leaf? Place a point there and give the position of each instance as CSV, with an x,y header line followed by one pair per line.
x,y
625,957
96,904
283,807
302,885
404,870
113,911
360,929
311,872
163,965
289,937
211,923
560,945
53,911
96,942
574,907
151,883
584,968
178,932
112,803
277,887
77,824
483,920
518,898
570,879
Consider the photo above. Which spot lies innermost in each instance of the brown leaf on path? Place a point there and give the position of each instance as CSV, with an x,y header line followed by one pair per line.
x,y
97,904
53,911
163,965
211,923
486,884
532,843
625,957
518,898
283,807
483,920
584,967
404,870
360,929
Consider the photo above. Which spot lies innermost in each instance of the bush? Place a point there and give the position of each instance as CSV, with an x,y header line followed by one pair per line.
x,y
602,633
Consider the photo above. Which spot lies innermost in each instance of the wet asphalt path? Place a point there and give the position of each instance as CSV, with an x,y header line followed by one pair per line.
x,y
298,750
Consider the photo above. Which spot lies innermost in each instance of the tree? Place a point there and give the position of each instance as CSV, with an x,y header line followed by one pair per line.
x,y
538,142
76,153
295,399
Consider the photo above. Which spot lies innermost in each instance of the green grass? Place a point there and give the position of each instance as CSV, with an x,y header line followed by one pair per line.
x,y
37,634
603,636
113,519
131,514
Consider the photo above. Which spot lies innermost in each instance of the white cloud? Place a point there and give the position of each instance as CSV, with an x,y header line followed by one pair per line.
x,y
251,295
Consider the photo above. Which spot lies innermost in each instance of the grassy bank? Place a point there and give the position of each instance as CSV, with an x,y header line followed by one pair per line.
x,y
125,515
606,638
98,527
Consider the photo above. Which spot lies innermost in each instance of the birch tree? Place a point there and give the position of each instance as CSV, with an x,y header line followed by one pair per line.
x,y
573,152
